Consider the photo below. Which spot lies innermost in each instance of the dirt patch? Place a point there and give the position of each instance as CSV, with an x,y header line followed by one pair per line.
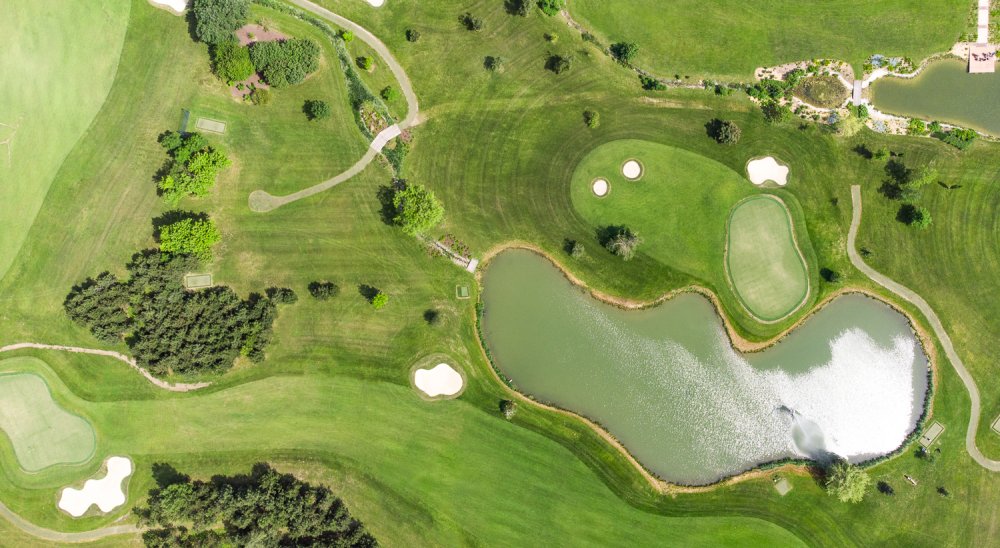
x,y
822,91
240,90
248,34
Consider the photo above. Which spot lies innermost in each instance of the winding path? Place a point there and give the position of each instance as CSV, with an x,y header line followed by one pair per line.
x,y
60,537
935,322
262,201
178,387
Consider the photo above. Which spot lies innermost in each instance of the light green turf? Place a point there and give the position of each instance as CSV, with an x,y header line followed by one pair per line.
x,y
764,263
42,432
58,62
732,37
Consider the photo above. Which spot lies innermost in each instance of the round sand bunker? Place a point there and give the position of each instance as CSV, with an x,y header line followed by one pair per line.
x,y
441,380
632,169
600,187
765,169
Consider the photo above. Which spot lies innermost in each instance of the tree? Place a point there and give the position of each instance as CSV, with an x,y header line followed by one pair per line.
x,y
471,22
916,127
322,291
417,209
725,131
775,112
624,52
190,236
282,295
389,93
285,62
518,7
831,276
935,127
432,317
922,218
380,300
847,482
558,63
882,153
551,7
621,241
347,36
592,118
316,110
365,63
260,96
494,63
215,20
923,177
508,408
231,61
192,167
412,35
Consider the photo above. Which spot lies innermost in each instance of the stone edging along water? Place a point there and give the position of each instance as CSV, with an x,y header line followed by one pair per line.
x,y
793,465
935,323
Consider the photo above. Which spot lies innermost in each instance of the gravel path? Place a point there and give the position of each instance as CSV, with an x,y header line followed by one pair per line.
x,y
935,322
261,200
60,537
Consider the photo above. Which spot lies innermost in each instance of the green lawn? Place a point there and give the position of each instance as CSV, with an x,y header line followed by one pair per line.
x,y
56,77
332,401
730,38
763,260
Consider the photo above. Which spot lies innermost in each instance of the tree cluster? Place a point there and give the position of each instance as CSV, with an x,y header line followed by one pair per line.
x,y
192,167
264,508
167,328
960,138
324,290
285,62
190,236
771,89
231,61
215,20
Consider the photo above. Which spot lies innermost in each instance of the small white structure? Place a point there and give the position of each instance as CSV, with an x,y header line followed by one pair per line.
x,y
106,493
441,380
765,169
632,169
600,187
175,6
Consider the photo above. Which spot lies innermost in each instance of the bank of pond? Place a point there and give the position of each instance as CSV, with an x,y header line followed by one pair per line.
x,y
667,382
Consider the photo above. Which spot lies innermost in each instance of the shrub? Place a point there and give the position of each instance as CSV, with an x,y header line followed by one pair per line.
x,y
551,7
324,290
380,300
190,236
577,251
916,127
624,52
960,138
847,482
215,20
260,96
365,63
551,38
650,83
416,209
915,216
471,22
231,62
831,276
494,63
592,118
347,36
935,127
432,317
508,408
285,62
412,35
882,153
725,132
282,295
558,63
316,110
775,112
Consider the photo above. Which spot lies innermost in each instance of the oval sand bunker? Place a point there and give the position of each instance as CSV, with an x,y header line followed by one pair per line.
x,y
632,169
767,169
106,492
600,187
442,380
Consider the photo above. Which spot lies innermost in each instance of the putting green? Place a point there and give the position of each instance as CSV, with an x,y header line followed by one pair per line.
x,y
763,260
40,430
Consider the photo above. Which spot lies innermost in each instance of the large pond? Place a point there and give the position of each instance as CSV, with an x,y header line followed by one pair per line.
x,y
667,383
944,91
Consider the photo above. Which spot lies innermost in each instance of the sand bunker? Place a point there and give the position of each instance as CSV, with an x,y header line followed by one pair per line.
x,y
106,493
176,6
376,3
767,169
442,380
632,169
600,187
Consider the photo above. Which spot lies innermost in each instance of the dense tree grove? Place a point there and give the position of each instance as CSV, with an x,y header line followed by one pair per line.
x,y
285,62
231,61
192,167
190,236
167,328
264,508
215,20
417,210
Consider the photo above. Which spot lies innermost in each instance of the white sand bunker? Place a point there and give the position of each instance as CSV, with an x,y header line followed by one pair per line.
x,y
767,169
106,493
442,380
176,6
376,3
600,187
632,169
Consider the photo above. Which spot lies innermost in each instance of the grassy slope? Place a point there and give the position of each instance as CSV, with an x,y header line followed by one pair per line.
x,y
730,38
58,64
500,151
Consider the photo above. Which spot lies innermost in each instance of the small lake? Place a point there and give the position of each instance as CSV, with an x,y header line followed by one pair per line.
x,y
943,91
667,383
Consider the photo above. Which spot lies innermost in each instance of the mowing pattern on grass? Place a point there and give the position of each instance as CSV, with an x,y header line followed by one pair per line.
x,y
763,260
42,432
